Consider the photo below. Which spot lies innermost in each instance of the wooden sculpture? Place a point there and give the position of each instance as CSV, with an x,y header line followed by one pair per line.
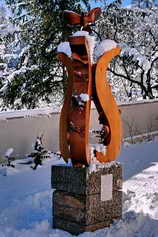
x,y
87,81
73,18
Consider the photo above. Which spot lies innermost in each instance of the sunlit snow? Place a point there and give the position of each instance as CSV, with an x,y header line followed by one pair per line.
x,y
26,197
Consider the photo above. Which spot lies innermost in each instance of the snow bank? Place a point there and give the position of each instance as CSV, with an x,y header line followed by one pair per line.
x,y
104,46
26,198
3,170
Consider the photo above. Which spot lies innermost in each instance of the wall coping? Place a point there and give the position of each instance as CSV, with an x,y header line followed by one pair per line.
x,y
25,113
138,102
49,111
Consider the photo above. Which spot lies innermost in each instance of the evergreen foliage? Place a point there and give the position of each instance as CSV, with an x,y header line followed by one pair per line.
x,y
38,76
34,75
7,43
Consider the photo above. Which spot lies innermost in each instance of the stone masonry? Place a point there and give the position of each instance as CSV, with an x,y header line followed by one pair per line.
x,y
83,200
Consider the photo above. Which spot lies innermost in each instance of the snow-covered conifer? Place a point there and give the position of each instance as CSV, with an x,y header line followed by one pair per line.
x,y
38,77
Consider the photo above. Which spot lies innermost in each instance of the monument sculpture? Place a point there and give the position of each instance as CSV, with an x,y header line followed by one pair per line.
x,y
85,200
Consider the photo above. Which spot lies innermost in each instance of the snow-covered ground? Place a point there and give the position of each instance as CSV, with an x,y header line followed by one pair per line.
x,y
26,206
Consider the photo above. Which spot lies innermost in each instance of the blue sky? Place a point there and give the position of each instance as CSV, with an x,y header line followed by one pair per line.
x,y
98,4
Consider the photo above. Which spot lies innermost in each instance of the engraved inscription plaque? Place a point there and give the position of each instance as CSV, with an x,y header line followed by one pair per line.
x,y
106,187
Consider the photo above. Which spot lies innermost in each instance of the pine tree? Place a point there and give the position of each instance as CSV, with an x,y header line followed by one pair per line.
x,y
3,23
39,76
7,44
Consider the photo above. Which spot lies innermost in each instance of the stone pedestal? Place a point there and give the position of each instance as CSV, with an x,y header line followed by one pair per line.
x,y
86,200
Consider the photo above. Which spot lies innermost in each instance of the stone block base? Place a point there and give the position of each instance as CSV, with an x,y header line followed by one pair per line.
x,y
85,200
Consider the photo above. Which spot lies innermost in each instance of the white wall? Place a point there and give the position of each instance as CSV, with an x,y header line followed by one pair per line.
x,y
19,130
140,118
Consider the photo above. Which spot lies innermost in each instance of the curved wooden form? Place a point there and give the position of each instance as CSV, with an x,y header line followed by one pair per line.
x,y
87,81
110,110
63,127
73,18
74,119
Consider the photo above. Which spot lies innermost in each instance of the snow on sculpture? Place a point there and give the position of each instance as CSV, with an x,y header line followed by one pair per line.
x,y
87,82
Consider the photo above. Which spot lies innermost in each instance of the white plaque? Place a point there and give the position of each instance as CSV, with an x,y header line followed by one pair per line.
x,y
106,187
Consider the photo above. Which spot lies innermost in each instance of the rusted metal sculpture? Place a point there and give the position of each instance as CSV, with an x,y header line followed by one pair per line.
x,y
87,81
